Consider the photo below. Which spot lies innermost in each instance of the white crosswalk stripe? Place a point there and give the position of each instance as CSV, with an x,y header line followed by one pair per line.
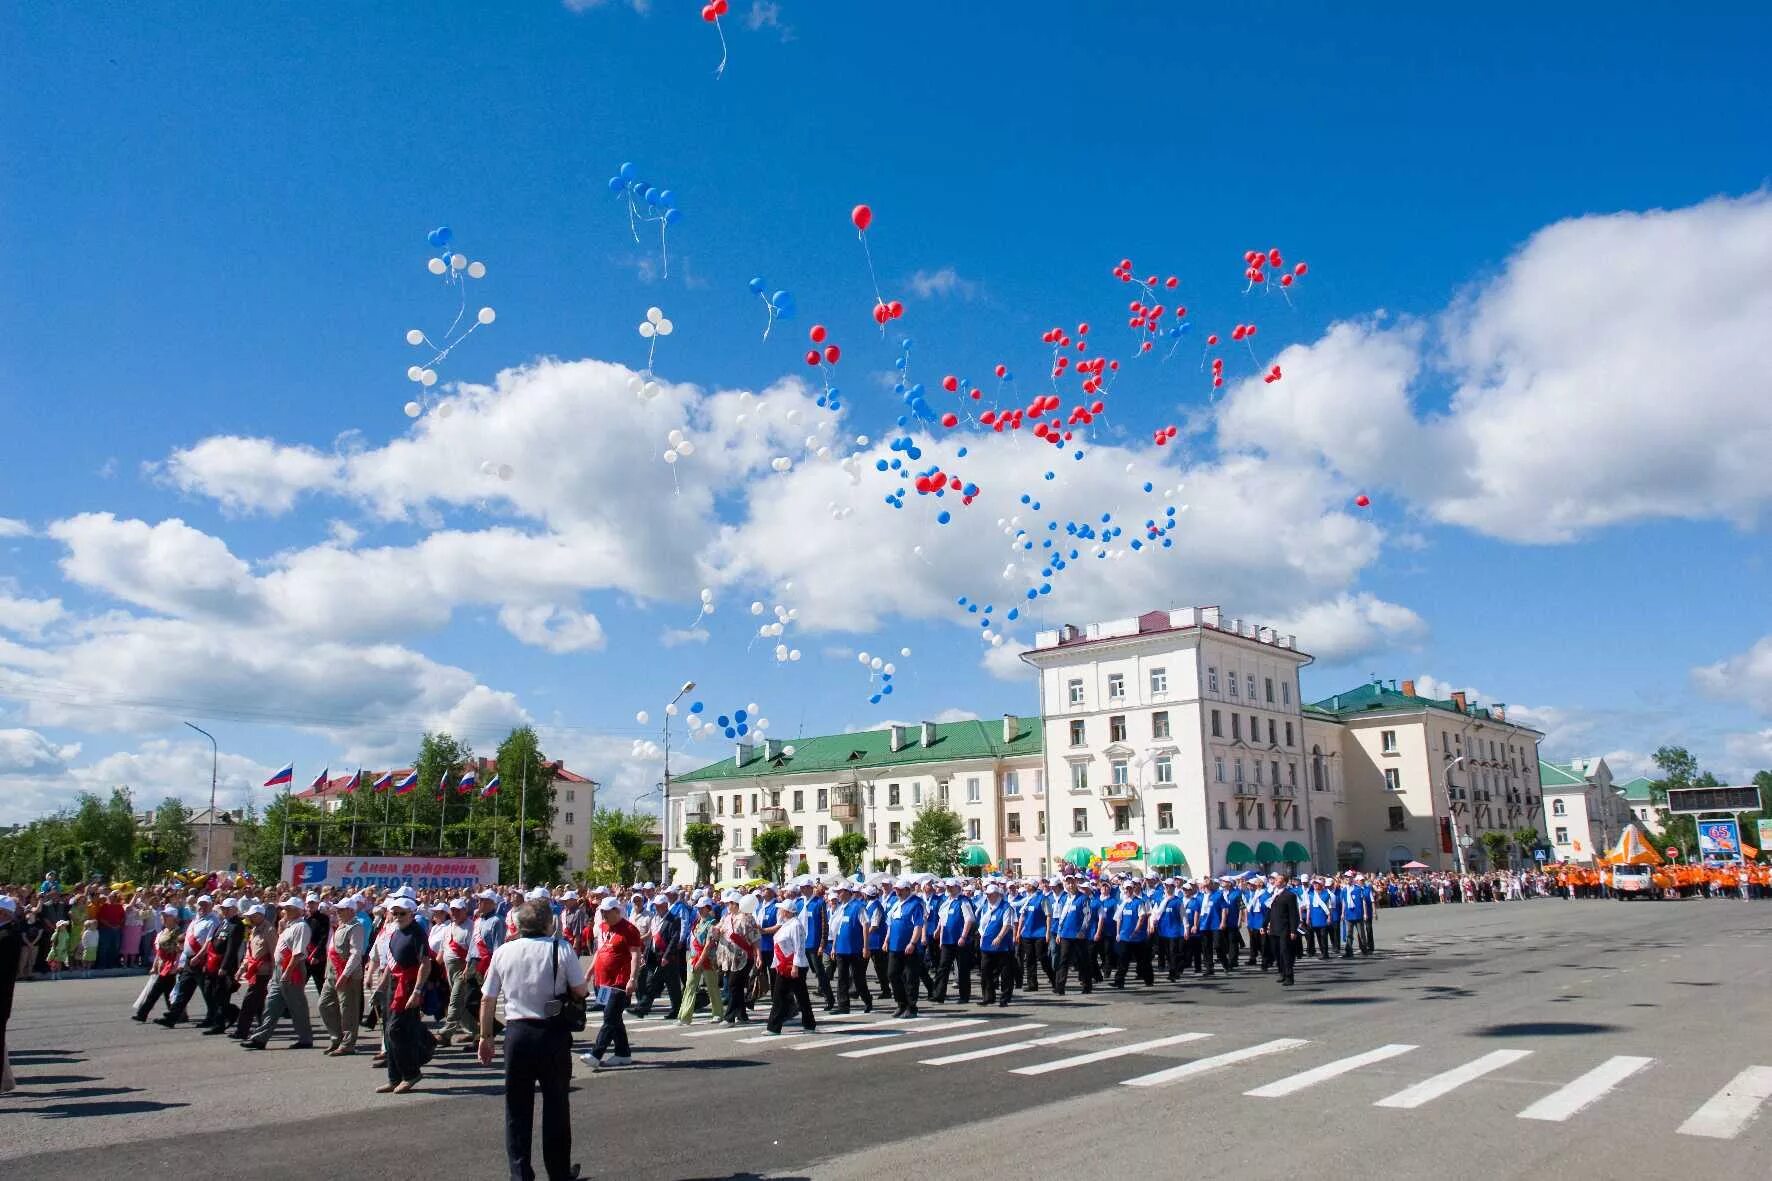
x,y
1329,1070
866,1032
1731,1109
1430,1089
1201,1066
1017,1047
719,1030
922,1043
1111,1052
1587,1090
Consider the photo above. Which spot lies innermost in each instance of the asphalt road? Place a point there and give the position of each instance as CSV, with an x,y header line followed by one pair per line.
x,y
1481,1041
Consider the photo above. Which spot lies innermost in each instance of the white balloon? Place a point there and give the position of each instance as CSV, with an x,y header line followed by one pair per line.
x,y
751,709
506,471
413,409
876,664
642,717
793,654
459,261
414,336
671,710
670,456
476,270
446,409
904,651
788,751
415,373
654,314
889,669
824,453
437,266
793,417
738,420
665,327
786,587
646,330
862,656
487,316
674,437
487,467
686,447
918,550
861,440
996,641
428,377
649,390
756,608
762,724
707,593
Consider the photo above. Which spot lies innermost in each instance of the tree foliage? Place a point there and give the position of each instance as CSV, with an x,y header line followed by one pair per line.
x,y
1499,848
704,841
619,844
172,838
936,837
849,848
772,845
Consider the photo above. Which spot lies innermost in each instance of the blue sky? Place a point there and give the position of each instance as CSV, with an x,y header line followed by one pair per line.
x,y
1551,392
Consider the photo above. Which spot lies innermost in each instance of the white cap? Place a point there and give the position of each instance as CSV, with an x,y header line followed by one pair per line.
x,y
405,892
252,910
661,900
539,894
569,896
204,898
171,910
903,883
609,904
312,897
993,888
702,900
488,895
459,904
293,901
439,908
399,903
729,896
790,906
234,903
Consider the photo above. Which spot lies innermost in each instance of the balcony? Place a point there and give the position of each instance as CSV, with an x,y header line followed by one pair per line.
x,y
1246,791
846,812
772,817
1116,791
1285,791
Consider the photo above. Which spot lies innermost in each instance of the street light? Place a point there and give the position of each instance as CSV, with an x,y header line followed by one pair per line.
x,y
1457,845
664,799
209,825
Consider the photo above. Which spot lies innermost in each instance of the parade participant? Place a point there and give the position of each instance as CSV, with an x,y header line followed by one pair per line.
x,y
704,972
1353,915
1169,923
848,943
768,918
997,943
1211,916
532,972
289,974
815,916
457,937
319,922
874,913
575,924
1071,920
664,959
341,997
410,969
485,934
255,970
11,945
192,964
1033,912
955,917
929,951
1132,928
789,953
737,957
904,939
220,967
1318,912
165,969
1230,931
1282,919
613,970
1256,900
1369,904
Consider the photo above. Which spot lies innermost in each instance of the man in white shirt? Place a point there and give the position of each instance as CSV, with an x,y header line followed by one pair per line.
x,y
532,972
790,966
288,974
456,934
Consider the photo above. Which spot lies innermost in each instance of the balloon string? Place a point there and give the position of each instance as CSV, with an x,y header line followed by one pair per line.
x,y
633,225
720,70
770,323
664,250
872,278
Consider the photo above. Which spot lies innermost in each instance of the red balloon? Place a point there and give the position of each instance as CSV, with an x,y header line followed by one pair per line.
x,y
950,420
1002,371
1237,333
1285,280
1248,330
832,354
708,14
1083,329
1171,281
896,308
812,356
1273,257
950,383
881,314
1300,269
1363,500
817,334
977,394
720,7
988,417
1213,339
1217,382
862,216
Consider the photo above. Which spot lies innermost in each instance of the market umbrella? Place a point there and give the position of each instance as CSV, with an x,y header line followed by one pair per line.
x,y
1414,865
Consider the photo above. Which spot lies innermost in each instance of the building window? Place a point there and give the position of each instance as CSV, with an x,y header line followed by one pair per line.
x,y
824,798
737,804
1398,818
1218,768
1075,692
1159,680
1122,818
941,792
1388,740
568,818
799,801
1242,815
1012,823
916,794
873,836
1288,733
870,803
1295,825
1039,781
1254,728
1558,808
571,796
1013,867
1011,783
1445,743
1274,769
1561,836
1217,725
1079,776
569,840
1231,681
1211,679
1039,824
1268,689
799,837
1392,780
892,795
1117,728
1237,773
1292,774
1116,686
775,798
1077,733
1164,769
1260,816
1285,692
972,789
1271,734
892,833
1079,820
824,836
1118,771
719,805
1257,769
823,867
1251,686
1165,816
1221,815
972,830
1160,724
1236,727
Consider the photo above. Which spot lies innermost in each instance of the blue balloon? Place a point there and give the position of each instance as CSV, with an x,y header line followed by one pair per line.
x,y
652,196
440,237
616,185
695,707
962,454
885,676
626,171
673,216
731,733
757,285
886,688
739,715
667,199
743,729
723,720
874,700
784,304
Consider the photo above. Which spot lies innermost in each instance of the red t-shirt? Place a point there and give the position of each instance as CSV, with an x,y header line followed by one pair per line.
x,y
110,915
616,944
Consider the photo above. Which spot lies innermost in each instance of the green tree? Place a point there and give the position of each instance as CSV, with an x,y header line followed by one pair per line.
x,y
849,849
704,841
1678,769
772,845
936,838
526,793
619,844
1499,847
802,867
105,834
1526,838
171,835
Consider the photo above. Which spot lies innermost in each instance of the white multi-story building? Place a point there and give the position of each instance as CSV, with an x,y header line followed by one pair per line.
x,y
1583,812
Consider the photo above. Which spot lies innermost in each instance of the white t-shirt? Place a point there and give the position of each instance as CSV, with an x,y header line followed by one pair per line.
x,y
520,972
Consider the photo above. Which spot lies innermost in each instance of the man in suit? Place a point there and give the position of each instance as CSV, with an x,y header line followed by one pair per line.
x,y
1280,922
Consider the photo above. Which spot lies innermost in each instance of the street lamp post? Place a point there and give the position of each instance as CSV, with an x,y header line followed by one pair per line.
x,y
1457,845
664,799
209,825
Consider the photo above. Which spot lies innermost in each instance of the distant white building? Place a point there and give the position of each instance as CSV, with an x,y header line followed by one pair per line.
x,y
1584,813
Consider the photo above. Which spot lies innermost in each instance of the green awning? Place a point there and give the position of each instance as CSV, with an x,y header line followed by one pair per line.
x,y
1238,854
1267,852
974,857
1295,852
1080,857
1168,855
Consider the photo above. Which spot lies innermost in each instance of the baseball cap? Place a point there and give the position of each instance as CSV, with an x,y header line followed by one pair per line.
x,y
204,898
399,903
610,903
171,910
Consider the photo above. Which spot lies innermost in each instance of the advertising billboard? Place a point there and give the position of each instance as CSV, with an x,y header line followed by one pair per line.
x,y
421,873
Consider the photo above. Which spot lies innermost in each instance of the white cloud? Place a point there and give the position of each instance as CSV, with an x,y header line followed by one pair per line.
x,y
942,283
24,616
249,475
169,567
1351,625
13,527
1746,676
1004,661
640,6
676,637
556,629
764,14
1611,372
26,752
1750,751
47,778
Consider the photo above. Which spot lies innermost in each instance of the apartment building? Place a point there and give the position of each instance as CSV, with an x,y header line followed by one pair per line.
x,y
1584,812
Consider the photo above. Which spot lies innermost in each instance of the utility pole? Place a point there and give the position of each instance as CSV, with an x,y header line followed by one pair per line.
x,y
209,826
1451,811
664,800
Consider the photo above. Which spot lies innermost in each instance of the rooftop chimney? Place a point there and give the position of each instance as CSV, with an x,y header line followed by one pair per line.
x,y
1408,688
928,734
741,754
1011,727
772,748
1499,709
896,737
1458,700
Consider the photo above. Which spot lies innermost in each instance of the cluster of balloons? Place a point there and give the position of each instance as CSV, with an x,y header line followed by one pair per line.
x,y
825,361
503,471
779,304
1257,262
707,605
647,203
885,310
711,13
455,269
678,446
880,673
655,325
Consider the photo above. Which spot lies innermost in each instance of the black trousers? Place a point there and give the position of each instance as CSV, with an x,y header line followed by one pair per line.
x,y
161,987
252,1008
1031,956
852,975
1078,954
822,972
901,969
1129,953
665,975
922,962
956,955
1284,951
791,993
999,976
405,1028
882,971
1318,942
1230,946
612,1030
537,1056
1366,935
1172,954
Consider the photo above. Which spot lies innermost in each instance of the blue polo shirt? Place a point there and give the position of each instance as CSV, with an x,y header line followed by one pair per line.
x,y
996,926
1130,918
848,927
951,915
813,912
903,918
1034,908
875,918
1071,913
1169,916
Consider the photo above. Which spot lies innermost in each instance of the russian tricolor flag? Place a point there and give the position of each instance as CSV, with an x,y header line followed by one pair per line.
x,y
469,781
321,779
383,781
282,778
491,788
355,781
407,782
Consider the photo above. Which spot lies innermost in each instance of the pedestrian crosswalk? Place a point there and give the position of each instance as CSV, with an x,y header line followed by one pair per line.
x,y
1432,1073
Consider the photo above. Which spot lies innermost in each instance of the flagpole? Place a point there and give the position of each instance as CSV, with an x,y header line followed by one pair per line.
x,y
387,807
354,811
286,786
442,807
468,844
522,820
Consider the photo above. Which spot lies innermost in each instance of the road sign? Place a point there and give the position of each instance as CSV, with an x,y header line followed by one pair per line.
x,y
1719,840
1540,854
1672,850
1465,840
1690,801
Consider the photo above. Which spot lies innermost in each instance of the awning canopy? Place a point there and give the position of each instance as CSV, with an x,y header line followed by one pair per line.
x,y
1239,854
974,857
1080,857
1168,855
1267,852
1295,852
1632,849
